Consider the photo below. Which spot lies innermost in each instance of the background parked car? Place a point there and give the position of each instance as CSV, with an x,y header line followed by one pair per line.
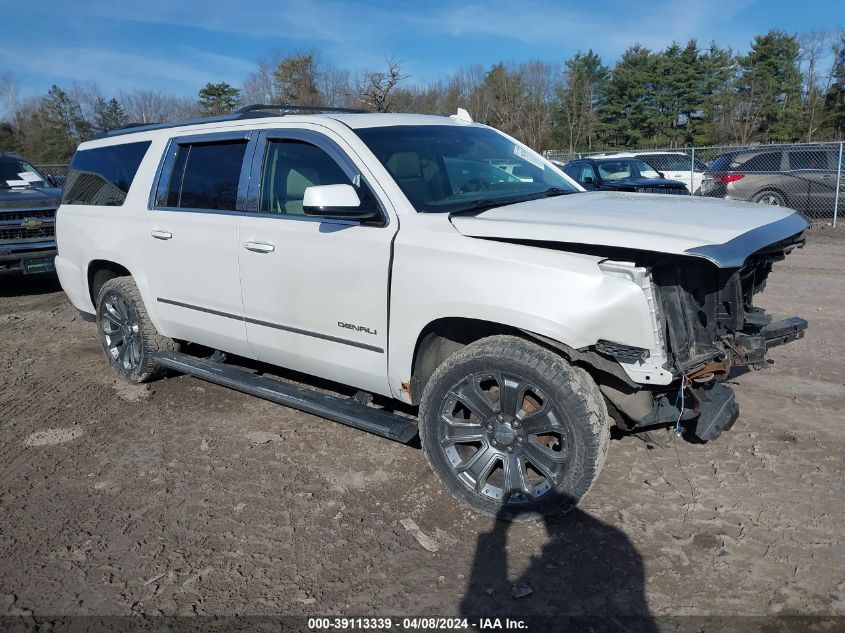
x,y
621,174
799,178
672,165
28,203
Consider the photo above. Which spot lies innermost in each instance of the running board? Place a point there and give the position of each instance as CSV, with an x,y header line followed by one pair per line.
x,y
347,411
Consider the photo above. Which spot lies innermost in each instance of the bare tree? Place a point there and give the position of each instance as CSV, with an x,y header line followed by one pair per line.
x,y
376,88
814,46
8,94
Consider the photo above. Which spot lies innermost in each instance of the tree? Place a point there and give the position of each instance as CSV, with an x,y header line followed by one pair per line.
x,y
219,98
376,88
296,80
813,46
64,127
108,115
769,90
579,98
629,114
834,99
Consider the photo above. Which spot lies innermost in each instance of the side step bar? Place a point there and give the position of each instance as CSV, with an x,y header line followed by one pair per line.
x,y
344,410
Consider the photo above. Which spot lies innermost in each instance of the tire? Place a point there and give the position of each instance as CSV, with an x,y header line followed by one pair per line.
x,y
770,197
126,333
512,430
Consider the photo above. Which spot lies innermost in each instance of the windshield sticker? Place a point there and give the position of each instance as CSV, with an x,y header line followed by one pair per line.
x,y
524,154
29,176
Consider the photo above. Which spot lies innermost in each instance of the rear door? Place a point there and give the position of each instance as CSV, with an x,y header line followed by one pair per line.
x,y
192,240
315,290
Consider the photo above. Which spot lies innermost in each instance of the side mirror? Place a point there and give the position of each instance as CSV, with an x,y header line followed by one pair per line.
x,y
335,201
589,180
661,174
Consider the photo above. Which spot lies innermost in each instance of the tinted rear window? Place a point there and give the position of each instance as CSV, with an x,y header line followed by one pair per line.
x,y
206,175
769,161
102,176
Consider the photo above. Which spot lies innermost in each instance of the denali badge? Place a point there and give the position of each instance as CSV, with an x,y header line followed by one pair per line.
x,y
357,328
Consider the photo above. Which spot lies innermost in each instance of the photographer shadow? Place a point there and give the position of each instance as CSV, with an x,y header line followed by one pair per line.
x,y
588,576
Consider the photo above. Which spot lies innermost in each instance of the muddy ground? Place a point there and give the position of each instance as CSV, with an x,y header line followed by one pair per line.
x,y
186,498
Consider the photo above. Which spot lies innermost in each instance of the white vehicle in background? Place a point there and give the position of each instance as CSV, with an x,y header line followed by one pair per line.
x,y
672,165
518,317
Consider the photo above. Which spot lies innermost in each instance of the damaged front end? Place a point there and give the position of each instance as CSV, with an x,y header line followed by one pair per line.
x,y
706,327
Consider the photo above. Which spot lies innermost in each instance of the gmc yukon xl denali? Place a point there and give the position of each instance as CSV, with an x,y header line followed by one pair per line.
x,y
517,318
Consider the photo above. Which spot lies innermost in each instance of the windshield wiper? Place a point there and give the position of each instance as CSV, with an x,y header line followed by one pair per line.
x,y
557,191
477,206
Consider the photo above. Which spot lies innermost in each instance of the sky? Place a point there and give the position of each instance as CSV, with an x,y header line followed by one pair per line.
x,y
178,45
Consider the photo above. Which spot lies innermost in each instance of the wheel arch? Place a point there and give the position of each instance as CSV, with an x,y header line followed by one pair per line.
x,y
444,336
99,272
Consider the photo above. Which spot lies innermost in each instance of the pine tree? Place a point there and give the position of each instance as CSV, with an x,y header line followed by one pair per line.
x,y
108,115
296,80
834,100
629,114
64,126
578,100
219,98
769,90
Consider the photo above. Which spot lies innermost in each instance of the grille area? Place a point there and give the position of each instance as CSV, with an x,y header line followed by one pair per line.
x,y
19,233
678,191
35,214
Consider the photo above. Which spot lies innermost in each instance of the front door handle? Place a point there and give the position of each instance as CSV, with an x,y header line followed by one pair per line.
x,y
259,247
161,235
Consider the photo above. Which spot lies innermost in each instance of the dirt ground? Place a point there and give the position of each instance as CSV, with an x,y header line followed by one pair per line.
x,y
182,497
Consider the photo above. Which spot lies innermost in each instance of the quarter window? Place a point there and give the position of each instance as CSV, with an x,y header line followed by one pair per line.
x,y
206,175
102,176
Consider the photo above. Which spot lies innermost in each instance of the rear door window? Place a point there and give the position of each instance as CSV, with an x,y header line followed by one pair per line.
x,y
808,160
205,175
102,176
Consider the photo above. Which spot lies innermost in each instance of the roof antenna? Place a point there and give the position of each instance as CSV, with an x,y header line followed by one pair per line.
x,y
462,115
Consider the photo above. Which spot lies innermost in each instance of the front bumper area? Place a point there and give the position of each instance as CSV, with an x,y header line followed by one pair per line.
x,y
12,256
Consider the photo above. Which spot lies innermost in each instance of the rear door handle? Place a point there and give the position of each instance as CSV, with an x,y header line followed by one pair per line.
x,y
161,235
259,247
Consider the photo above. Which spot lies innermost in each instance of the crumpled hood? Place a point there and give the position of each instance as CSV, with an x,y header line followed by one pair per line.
x,y
723,231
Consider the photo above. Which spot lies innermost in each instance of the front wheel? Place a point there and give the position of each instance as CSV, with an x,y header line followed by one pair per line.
x,y
513,430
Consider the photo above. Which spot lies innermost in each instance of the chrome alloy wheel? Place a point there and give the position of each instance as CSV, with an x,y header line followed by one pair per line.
x,y
503,438
121,332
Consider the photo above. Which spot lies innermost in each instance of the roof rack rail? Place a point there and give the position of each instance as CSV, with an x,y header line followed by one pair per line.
x,y
254,111
258,107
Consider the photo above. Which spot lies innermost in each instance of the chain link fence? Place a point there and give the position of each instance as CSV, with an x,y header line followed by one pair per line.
x,y
806,177
58,171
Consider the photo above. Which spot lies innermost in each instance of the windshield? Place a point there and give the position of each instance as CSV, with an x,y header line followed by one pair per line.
x,y
446,168
15,172
624,168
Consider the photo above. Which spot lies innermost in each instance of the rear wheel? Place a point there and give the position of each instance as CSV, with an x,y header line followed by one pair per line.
x,y
773,198
126,333
513,430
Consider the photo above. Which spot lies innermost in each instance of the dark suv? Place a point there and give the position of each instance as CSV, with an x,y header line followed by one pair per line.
x,y
28,203
795,177
621,174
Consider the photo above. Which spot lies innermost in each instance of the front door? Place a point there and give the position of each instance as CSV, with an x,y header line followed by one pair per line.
x,y
192,242
315,290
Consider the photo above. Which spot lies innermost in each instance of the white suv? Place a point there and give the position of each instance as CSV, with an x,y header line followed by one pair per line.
x,y
519,317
